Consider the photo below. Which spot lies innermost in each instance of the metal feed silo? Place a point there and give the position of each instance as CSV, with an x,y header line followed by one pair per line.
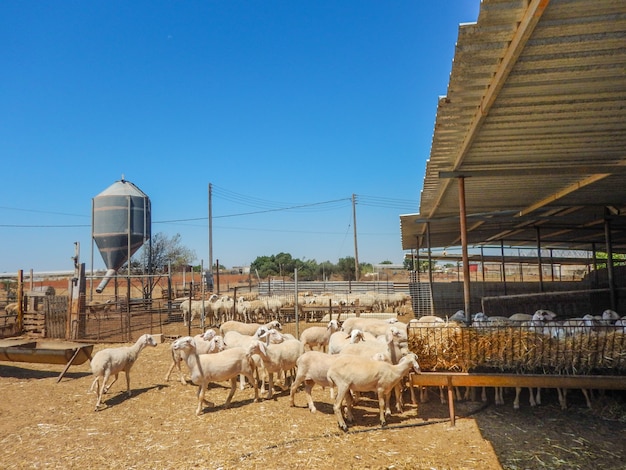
x,y
120,224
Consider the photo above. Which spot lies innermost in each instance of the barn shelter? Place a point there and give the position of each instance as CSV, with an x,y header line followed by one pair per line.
x,y
529,141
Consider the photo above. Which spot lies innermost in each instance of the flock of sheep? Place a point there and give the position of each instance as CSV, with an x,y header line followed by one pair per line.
x,y
252,307
360,355
501,342
364,355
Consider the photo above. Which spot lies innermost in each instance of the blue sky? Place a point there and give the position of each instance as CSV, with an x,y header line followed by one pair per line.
x,y
286,108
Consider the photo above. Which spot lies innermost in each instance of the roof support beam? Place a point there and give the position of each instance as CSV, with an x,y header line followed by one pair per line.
x,y
582,170
562,193
526,26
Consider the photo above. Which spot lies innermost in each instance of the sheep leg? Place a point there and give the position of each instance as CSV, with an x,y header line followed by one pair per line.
x,y
106,388
341,393
96,384
587,397
349,405
308,386
201,400
294,387
127,374
518,390
499,395
253,382
562,394
442,395
270,383
233,386
399,401
381,407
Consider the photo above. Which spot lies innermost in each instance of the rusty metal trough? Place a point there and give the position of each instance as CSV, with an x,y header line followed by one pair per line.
x,y
45,352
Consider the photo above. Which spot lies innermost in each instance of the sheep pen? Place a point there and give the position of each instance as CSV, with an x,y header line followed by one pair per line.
x,y
52,425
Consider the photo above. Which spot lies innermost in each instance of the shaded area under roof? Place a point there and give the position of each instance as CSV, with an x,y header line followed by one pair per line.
x,y
534,120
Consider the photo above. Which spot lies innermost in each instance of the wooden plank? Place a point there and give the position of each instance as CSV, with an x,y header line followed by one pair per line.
x,y
456,379
460,379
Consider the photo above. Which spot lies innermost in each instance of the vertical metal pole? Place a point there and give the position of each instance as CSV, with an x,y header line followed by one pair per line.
x,y
202,289
296,310
190,301
430,259
539,263
128,270
356,248
466,276
210,228
20,301
609,261
217,270
503,264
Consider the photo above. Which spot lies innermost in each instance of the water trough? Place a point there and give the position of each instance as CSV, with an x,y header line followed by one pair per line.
x,y
45,352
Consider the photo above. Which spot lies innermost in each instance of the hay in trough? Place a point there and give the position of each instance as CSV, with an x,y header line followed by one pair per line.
x,y
517,350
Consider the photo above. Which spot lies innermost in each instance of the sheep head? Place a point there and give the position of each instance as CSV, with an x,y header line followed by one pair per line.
x,y
186,342
208,335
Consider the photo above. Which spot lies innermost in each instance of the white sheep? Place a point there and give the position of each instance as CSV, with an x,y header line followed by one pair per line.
x,y
392,347
312,368
375,326
277,358
112,361
224,365
319,335
339,340
194,308
11,309
234,339
360,374
246,328
207,343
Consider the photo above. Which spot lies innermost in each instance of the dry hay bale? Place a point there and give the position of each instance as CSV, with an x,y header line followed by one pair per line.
x,y
438,347
517,350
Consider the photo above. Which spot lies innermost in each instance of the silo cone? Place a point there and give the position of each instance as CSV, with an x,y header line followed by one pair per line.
x,y
120,225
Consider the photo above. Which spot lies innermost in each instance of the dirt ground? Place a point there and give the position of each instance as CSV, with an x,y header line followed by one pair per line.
x,y
45,424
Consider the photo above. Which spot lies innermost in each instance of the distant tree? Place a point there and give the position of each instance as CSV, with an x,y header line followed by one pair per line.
x,y
155,258
345,268
325,270
385,262
409,264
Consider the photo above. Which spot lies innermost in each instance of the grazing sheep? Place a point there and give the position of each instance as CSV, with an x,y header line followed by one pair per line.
x,y
312,369
372,325
224,365
277,358
319,335
392,348
194,308
339,340
97,307
11,309
112,361
246,328
359,374
207,343
234,339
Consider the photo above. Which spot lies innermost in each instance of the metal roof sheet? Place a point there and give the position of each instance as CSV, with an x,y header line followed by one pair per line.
x,y
534,120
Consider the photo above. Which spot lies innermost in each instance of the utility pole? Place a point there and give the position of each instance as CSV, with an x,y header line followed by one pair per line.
x,y
210,228
356,248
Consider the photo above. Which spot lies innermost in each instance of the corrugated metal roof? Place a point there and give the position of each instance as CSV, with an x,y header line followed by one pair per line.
x,y
534,119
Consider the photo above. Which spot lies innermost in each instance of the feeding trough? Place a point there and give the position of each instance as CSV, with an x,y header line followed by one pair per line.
x,y
45,352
